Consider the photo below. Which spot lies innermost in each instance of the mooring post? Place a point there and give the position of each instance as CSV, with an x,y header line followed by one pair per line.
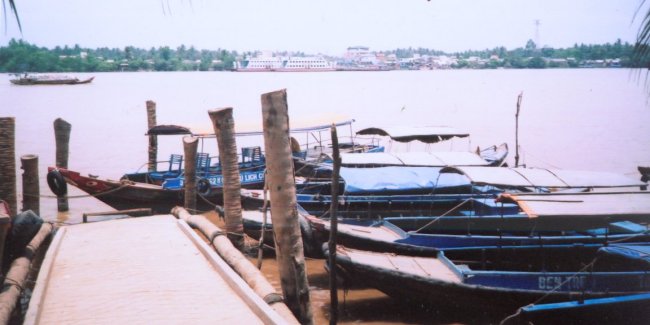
x,y
31,190
62,135
153,139
8,163
189,179
517,129
224,127
334,298
289,250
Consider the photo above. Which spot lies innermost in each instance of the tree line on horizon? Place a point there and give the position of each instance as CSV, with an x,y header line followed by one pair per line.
x,y
20,56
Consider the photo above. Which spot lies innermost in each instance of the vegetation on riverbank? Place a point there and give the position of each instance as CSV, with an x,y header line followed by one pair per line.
x,y
20,56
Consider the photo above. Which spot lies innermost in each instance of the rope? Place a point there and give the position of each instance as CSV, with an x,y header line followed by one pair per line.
x,y
630,237
591,264
11,282
444,214
511,317
260,252
80,196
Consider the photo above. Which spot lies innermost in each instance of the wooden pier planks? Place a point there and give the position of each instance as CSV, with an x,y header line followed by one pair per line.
x,y
145,270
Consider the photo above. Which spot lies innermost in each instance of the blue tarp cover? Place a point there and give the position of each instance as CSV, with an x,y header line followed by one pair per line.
x,y
382,179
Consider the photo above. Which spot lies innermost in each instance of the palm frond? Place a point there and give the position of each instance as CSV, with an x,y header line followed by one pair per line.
x,y
12,6
641,53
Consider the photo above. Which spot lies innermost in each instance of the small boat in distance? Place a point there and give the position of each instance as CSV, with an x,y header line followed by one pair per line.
x,y
48,79
284,64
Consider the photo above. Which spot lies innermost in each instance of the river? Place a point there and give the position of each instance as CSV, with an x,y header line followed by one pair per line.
x,y
586,119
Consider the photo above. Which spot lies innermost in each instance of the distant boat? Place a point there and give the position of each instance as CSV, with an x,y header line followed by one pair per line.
x,y
48,79
285,64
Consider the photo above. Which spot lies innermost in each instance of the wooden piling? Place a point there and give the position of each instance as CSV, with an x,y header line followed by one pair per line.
x,y
18,271
62,135
8,163
153,139
251,275
224,127
190,144
517,129
334,298
284,214
31,189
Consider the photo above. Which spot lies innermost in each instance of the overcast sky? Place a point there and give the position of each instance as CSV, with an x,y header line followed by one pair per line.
x,y
327,27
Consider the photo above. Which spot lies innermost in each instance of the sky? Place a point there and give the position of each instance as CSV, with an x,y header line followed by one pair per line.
x,y
324,27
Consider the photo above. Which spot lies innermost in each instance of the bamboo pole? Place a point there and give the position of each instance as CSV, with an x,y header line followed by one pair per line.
x,y
31,190
8,163
224,128
15,279
62,135
153,139
286,229
224,247
334,298
189,179
517,129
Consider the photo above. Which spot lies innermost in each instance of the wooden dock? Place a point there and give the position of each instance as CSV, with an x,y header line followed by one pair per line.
x,y
140,270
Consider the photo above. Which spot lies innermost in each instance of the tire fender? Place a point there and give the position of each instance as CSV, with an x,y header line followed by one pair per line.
x,y
57,183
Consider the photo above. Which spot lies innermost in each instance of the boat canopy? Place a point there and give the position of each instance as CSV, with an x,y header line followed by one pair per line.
x,y
179,130
538,177
426,134
168,129
611,206
432,159
381,180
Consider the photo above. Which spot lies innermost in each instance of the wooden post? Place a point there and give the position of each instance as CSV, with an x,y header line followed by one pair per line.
x,y
189,179
334,298
253,277
153,139
8,163
286,229
517,129
17,274
31,190
224,128
62,136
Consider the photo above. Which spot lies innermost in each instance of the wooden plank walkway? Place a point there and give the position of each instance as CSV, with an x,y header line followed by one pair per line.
x,y
140,271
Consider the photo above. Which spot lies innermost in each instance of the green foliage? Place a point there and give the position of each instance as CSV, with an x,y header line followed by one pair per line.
x,y
20,56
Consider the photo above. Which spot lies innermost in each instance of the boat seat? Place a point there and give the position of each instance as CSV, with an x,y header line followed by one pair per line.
x,y
175,168
251,154
202,163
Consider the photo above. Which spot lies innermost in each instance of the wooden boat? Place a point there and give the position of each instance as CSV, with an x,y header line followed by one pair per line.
x,y
499,284
161,190
541,221
492,156
433,190
126,193
320,165
38,79
627,309
383,236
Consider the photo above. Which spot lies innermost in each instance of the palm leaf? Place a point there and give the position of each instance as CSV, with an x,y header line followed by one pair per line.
x,y
12,6
642,46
